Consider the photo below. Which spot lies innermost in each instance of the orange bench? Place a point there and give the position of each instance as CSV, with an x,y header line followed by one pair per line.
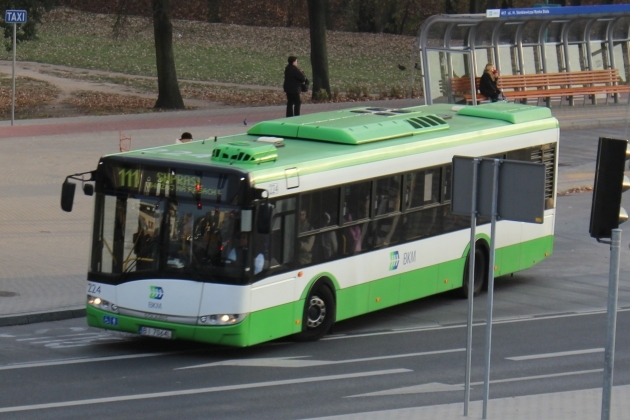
x,y
548,85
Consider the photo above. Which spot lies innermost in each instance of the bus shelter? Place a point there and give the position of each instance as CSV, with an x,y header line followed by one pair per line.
x,y
522,41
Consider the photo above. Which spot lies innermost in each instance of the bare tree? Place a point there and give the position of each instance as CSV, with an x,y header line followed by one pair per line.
x,y
169,96
319,51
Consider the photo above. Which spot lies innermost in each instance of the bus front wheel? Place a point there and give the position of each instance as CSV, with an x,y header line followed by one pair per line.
x,y
319,314
481,272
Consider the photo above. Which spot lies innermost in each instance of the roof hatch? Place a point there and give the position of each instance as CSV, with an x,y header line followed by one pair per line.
x,y
354,126
512,113
245,152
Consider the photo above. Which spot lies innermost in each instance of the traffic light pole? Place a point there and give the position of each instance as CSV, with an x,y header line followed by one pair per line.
x,y
609,355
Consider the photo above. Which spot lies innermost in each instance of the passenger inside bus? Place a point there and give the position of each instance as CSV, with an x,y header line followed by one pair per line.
x,y
306,243
143,244
239,254
385,230
328,240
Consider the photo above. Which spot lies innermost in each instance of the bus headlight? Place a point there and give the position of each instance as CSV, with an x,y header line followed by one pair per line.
x,y
99,303
220,319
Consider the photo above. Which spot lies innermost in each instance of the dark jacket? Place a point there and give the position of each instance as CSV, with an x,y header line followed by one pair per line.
x,y
293,79
488,87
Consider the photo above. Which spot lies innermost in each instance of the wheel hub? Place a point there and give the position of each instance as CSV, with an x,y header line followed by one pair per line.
x,y
316,312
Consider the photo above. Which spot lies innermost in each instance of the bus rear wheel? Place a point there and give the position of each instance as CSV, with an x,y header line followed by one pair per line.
x,y
480,275
319,314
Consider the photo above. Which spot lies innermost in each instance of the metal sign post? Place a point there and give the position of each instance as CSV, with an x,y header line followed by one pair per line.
x,y
471,283
14,17
495,206
501,190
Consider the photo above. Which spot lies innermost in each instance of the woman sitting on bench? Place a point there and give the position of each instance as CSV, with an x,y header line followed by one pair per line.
x,y
488,83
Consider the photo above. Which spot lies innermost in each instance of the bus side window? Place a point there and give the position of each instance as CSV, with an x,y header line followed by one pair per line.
x,y
281,240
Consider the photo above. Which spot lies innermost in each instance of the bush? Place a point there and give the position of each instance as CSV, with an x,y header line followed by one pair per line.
x,y
320,96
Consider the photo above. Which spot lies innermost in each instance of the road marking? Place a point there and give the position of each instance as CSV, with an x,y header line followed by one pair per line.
x,y
298,362
438,387
57,337
550,375
414,389
75,361
478,324
202,390
32,338
558,354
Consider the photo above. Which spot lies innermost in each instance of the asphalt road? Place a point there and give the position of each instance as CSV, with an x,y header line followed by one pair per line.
x,y
65,370
548,336
62,370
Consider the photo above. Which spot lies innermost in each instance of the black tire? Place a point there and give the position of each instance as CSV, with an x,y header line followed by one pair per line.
x,y
481,272
319,314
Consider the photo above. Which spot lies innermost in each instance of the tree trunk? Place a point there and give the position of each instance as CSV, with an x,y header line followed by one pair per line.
x,y
450,7
169,96
319,51
474,6
214,11
494,4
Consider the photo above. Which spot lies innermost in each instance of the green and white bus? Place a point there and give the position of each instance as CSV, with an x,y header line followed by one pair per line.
x,y
302,221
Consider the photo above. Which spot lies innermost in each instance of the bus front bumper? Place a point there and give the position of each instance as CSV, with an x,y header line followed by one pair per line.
x,y
230,335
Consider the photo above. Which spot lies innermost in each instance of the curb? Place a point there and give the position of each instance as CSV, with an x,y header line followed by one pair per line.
x,y
575,124
35,317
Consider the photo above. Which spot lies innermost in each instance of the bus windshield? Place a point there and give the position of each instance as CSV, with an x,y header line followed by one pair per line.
x,y
173,234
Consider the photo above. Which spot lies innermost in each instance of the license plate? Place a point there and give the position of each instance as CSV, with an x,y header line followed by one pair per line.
x,y
156,332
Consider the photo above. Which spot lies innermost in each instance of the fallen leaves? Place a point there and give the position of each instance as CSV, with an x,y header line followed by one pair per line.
x,y
576,190
30,96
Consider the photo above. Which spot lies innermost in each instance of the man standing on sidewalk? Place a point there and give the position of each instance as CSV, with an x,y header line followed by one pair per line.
x,y
293,80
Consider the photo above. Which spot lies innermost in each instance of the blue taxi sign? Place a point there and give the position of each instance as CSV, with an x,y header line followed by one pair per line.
x,y
15,16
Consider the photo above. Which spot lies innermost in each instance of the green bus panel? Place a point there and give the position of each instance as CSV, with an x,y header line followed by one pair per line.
x,y
451,275
275,322
352,301
384,293
533,252
418,284
507,260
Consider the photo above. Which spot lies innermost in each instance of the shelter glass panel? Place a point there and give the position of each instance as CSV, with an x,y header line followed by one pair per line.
x,y
531,62
483,34
507,60
554,32
620,52
459,65
437,75
598,55
483,56
531,30
622,29
507,34
577,30
598,30
576,59
435,37
459,36
553,57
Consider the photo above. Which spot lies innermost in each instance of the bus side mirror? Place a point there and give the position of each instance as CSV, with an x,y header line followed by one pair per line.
x,y
67,195
88,189
265,213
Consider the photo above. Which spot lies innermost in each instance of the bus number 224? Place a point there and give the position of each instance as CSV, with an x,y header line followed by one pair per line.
x,y
94,288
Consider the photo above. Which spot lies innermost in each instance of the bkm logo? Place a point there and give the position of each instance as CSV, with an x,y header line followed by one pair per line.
x,y
156,293
394,258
